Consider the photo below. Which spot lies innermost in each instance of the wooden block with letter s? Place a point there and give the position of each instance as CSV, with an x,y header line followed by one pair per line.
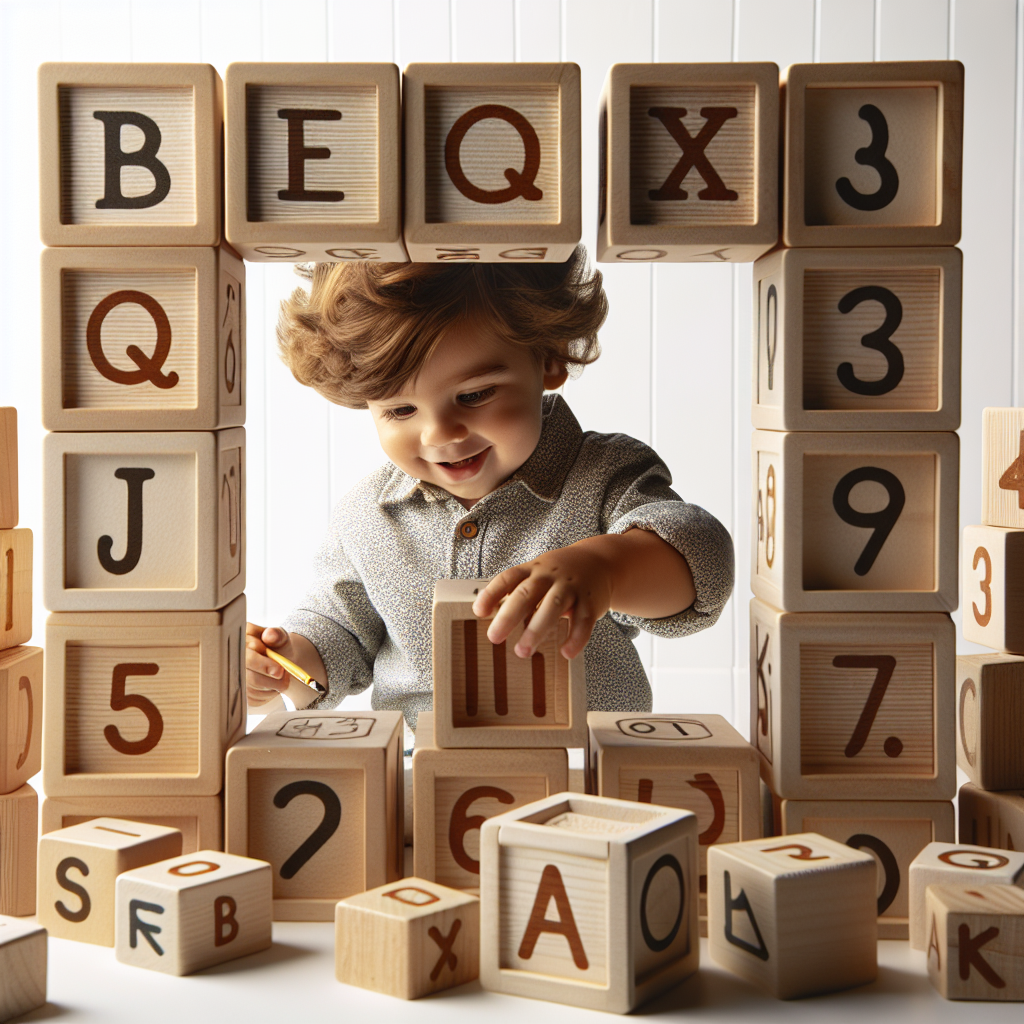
x,y
8,468
15,587
1002,468
993,581
21,716
990,719
991,819
22,967
19,814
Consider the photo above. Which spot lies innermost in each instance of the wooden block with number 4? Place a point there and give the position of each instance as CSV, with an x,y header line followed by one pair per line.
x,y
15,587
990,719
21,716
22,967
8,468
991,819
1002,468
993,581
19,815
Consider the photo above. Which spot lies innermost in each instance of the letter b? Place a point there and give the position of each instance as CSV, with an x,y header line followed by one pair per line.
x,y
225,924
114,158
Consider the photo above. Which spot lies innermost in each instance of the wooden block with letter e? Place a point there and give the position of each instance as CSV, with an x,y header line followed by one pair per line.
x,y
22,967
8,468
492,162
407,939
993,580
853,707
990,719
21,716
456,791
873,153
314,162
623,881
19,813
142,703
320,795
130,154
991,819
143,339
486,696
144,522
15,587
855,522
1002,468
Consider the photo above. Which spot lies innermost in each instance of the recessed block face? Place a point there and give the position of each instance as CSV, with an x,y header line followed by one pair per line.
x,y
991,819
993,581
19,812
990,719
15,587
8,468
21,716
22,966
1002,468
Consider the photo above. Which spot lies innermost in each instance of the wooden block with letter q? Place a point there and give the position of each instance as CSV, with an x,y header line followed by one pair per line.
x,y
130,154
855,522
22,967
1002,468
19,814
991,819
8,468
144,522
990,719
492,162
314,164
21,716
873,153
993,581
143,339
15,587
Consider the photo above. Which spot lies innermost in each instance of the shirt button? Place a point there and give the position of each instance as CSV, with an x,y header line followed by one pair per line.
x,y
469,530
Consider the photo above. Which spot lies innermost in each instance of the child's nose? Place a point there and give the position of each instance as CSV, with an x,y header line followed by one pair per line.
x,y
443,429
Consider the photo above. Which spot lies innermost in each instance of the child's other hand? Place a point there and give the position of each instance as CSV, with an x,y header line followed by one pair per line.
x,y
264,678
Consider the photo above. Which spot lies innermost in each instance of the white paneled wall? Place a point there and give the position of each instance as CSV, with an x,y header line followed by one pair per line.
x,y
676,364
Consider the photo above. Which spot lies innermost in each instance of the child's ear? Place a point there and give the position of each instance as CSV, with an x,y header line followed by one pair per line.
x,y
555,374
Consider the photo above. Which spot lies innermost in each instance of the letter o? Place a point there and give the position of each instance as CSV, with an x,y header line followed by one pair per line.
x,y
658,945
203,867
641,255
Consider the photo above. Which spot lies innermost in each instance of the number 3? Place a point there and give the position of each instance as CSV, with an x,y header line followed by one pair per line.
x,y
982,618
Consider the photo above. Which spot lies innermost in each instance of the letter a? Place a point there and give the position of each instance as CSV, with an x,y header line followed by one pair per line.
x,y
551,885
742,903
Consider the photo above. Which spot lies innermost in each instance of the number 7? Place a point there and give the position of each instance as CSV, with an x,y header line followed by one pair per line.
x,y
885,665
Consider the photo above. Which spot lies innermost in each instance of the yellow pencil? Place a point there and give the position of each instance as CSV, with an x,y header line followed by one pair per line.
x,y
293,670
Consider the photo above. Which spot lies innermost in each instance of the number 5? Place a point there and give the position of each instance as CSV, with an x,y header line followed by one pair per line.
x,y
120,701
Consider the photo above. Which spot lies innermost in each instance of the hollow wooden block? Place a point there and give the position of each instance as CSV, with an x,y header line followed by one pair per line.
x,y
991,819
143,339
22,967
144,522
130,154
689,163
486,696
313,162
623,879
990,719
873,153
894,832
976,941
407,939
855,522
794,914
142,703
19,812
194,911
8,468
21,716
993,582
492,162
1002,468
853,707
320,795
15,587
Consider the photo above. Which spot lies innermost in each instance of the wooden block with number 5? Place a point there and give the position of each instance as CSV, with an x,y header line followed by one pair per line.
x,y
993,581
990,719
15,587
21,716
1002,468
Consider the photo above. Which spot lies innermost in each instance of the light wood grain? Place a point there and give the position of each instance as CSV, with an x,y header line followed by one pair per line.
x,y
21,716
19,813
990,719
991,819
993,583
22,966
1002,468
15,587
8,468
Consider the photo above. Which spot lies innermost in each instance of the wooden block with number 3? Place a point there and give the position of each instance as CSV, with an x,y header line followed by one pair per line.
x,y
8,468
993,582
21,716
1002,468
990,719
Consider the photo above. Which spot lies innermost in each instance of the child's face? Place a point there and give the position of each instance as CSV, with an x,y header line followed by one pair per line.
x,y
471,417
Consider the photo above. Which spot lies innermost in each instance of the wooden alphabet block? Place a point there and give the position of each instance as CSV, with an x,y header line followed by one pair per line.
x,y
990,719
320,795
78,866
873,153
8,468
144,522
794,914
486,696
894,832
130,154
1002,468
21,716
492,162
22,967
993,581
853,707
623,878
142,703
407,939
143,339
689,163
848,522
976,941
193,911
15,587
991,819
19,812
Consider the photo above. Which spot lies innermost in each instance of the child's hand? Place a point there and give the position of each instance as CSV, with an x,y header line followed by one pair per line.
x,y
264,678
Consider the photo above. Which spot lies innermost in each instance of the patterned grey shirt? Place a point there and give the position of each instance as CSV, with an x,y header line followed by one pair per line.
x,y
392,537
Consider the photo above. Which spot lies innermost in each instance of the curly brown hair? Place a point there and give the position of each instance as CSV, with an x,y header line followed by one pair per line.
x,y
365,329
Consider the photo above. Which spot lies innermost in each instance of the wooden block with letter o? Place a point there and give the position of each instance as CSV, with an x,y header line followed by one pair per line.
x,y
22,967
320,795
8,468
15,587
990,719
1002,468
145,338
21,716
492,162
991,819
144,522
589,901
873,153
19,814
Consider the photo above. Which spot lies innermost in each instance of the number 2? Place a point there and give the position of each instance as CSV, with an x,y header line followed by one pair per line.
x,y
982,618
327,827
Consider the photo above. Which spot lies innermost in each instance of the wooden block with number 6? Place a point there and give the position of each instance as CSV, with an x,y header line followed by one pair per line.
x,y
22,967
990,719
8,468
992,819
21,716
1002,468
15,587
993,581
19,815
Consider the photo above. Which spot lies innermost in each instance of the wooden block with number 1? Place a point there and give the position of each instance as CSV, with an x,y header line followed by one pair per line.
x,y
22,967
21,716
990,719
8,468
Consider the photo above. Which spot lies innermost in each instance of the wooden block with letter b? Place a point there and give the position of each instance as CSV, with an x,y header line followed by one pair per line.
x,y
1002,468
492,162
22,967
19,814
15,587
990,719
8,468
21,716
991,819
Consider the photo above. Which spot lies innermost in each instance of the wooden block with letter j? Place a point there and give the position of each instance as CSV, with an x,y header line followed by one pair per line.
x,y
990,719
21,716
22,967
15,587
8,468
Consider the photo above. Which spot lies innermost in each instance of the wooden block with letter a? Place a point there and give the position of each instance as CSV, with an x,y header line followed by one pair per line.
x,y
1002,468
19,813
145,338
492,162
320,795
142,703
130,154
623,881
314,158
456,791
486,696
990,719
993,581
853,707
21,716
8,468
407,939
144,522
873,153
15,587
991,819
22,967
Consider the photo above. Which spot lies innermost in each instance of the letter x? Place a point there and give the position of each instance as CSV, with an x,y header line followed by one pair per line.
x,y
445,942
694,155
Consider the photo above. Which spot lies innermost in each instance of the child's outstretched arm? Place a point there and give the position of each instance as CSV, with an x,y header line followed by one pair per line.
x,y
265,678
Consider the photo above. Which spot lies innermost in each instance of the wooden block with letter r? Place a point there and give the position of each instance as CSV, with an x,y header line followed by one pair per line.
x,y
8,468
15,587
1002,468
19,814
993,581
21,716
22,967
991,819
990,719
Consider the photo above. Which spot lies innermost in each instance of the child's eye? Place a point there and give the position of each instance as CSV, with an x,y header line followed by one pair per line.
x,y
400,412
476,396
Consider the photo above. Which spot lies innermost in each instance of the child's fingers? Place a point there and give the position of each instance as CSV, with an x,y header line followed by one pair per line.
x,y
274,636
504,583
557,601
518,606
582,622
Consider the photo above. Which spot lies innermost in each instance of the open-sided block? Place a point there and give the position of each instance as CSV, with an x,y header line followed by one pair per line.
x,y
19,813
853,707
320,795
1002,468
22,967
21,716
492,162
794,914
623,880
193,911
993,581
990,719
143,339
407,939
8,468
314,160
848,522
142,703
15,587
991,819
487,696
130,154
456,791
144,522
873,153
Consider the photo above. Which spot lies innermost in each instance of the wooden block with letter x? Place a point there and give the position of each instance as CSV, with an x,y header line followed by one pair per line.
x,y
22,967
991,819
990,719
130,154
873,153
21,716
8,468
15,587
492,162
1002,468
993,580
19,814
